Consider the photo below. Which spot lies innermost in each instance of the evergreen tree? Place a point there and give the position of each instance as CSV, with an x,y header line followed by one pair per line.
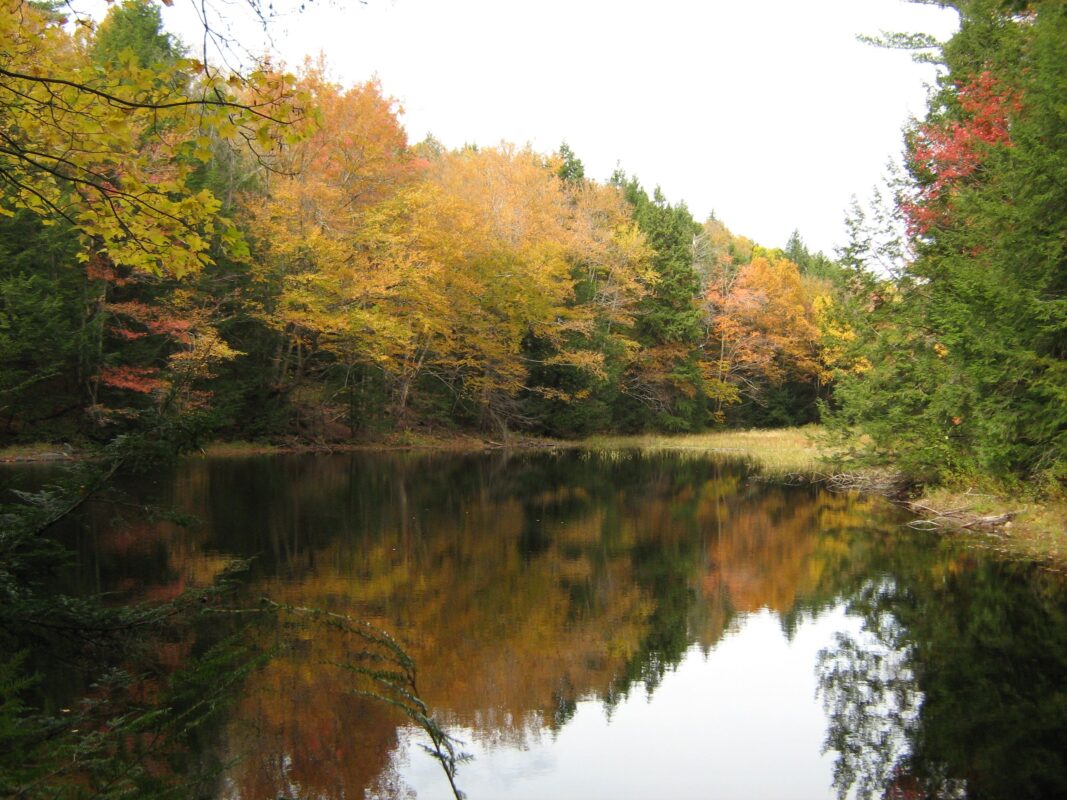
x,y
815,265
967,348
133,31
665,389
570,169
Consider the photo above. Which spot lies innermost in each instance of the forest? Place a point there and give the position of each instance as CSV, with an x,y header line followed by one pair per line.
x,y
307,273
265,256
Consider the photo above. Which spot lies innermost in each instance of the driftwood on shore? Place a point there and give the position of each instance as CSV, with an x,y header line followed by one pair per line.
x,y
957,518
895,487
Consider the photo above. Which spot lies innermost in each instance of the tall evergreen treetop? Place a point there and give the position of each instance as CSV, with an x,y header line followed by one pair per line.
x,y
134,30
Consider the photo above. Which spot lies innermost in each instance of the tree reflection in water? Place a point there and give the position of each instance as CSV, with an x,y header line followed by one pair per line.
x,y
955,687
872,701
522,586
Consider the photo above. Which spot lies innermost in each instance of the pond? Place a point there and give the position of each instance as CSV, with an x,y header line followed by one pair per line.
x,y
615,625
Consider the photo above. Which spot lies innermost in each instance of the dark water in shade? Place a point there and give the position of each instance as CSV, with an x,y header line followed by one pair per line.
x,y
616,626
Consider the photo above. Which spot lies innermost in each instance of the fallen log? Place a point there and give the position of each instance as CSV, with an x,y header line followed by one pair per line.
x,y
957,519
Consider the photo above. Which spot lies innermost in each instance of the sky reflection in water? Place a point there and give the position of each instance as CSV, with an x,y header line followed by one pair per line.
x,y
740,721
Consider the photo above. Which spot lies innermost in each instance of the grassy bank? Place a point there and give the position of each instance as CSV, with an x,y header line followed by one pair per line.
x,y
456,442
780,453
1008,522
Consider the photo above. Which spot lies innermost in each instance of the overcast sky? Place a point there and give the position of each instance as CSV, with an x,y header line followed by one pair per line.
x,y
768,113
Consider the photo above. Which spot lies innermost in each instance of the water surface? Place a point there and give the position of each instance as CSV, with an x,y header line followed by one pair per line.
x,y
614,625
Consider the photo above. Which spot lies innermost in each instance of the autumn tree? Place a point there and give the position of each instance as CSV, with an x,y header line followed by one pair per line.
x,y
105,132
491,224
314,242
612,274
108,150
763,335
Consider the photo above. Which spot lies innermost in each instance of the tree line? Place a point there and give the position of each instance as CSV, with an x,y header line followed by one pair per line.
x,y
282,262
959,361
268,256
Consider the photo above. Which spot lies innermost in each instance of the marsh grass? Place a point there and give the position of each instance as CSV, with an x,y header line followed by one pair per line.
x,y
780,453
1037,531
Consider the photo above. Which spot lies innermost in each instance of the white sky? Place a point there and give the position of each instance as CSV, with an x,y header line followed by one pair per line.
x,y
768,112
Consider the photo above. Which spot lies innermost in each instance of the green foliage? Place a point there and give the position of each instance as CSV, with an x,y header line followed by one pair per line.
x,y
134,31
967,346
923,46
815,265
668,393
554,413
669,314
42,340
570,167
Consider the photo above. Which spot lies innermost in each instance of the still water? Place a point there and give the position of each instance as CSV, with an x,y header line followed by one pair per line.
x,y
605,626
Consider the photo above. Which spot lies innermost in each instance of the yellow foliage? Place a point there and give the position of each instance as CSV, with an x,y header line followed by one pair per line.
x,y
111,151
443,265
764,325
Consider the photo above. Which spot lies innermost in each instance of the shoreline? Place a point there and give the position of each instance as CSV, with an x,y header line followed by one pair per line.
x,y
1020,527
42,453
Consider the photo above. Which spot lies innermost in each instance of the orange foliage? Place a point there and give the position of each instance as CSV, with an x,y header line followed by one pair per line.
x,y
440,264
764,326
310,230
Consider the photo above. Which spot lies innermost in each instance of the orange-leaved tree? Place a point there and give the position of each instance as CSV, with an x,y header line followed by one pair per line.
x,y
317,234
764,329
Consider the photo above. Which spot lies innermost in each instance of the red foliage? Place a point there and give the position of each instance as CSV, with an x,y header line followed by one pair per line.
x,y
950,152
127,334
135,379
133,309
154,320
173,327
99,269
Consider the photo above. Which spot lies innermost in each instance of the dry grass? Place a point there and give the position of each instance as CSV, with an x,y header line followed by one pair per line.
x,y
780,452
1036,531
402,440
237,449
36,451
